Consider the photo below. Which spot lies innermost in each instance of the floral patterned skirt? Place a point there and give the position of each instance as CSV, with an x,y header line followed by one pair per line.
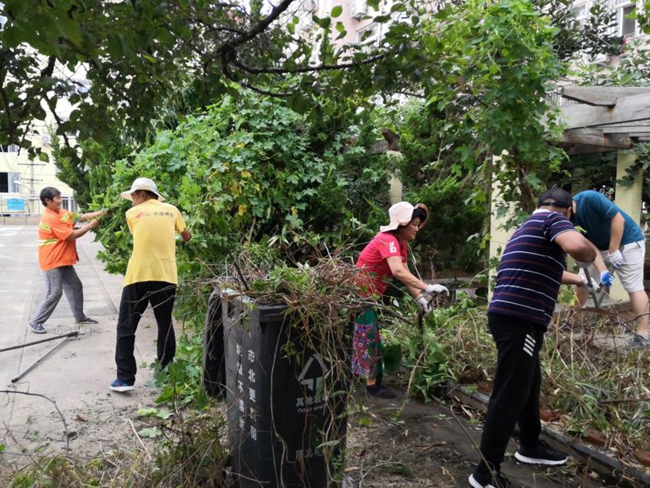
x,y
367,346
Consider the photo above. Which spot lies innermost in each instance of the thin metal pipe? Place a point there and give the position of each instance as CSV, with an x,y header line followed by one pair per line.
x,y
17,378
69,334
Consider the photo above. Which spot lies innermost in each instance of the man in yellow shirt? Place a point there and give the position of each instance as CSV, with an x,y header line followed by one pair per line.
x,y
57,255
151,277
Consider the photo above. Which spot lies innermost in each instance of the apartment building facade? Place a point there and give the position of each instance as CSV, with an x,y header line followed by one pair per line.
x,y
22,178
356,18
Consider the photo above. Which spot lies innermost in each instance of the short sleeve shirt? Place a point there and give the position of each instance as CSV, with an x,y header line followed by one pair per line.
x,y
595,213
154,225
54,251
530,270
372,260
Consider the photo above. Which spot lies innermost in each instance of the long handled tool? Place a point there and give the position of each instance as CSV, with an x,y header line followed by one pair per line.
x,y
592,292
429,298
19,346
39,361
598,302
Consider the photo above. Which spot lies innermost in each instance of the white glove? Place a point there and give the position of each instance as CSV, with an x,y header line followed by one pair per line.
x,y
436,289
583,265
590,284
616,258
423,303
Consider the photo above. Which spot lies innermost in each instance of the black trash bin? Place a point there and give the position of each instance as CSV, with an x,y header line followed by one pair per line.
x,y
214,360
286,413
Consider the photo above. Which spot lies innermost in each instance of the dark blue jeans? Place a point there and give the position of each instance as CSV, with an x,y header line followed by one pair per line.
x,y
135,298
517,383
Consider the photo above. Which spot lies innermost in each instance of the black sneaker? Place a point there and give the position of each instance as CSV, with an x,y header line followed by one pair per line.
x,y
497,480
380,391
542,454
120,386
638,342
87,320
38,328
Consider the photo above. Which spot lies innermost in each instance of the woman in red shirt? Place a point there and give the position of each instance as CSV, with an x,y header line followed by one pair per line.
x,y
383,258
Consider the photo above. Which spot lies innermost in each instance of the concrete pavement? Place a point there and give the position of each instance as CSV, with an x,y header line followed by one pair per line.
x,y
77,375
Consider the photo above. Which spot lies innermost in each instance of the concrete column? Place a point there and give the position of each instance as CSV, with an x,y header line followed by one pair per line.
x,y
629,199
395,189
498,235
395,194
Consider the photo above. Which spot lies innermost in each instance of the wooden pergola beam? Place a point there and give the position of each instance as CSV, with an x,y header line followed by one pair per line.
x,y
627,109
571,151
595,138
627,128
601,95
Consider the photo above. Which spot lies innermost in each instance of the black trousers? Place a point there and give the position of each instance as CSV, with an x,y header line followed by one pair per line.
x,y
517,383
135,298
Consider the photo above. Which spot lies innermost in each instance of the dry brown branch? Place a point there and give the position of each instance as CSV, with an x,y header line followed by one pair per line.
x,y
66,432
137,436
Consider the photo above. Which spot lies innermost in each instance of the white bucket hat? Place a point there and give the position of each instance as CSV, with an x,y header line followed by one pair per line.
x,y
400,214
142,184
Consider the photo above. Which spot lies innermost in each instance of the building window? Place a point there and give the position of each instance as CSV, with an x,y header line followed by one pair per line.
x,y
626,26
369,37
358,8
581,13
68,203
79,87
9,148
305,21
9,182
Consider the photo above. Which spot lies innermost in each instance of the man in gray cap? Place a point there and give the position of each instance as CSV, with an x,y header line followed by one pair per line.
x,y
151,277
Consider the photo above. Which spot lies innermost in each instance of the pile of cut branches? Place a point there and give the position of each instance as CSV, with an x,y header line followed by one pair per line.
x,y
591,381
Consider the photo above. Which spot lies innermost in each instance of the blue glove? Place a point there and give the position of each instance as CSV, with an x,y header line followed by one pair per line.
x,y
606,279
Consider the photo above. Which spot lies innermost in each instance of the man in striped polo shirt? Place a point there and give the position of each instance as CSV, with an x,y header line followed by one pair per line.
x,y
529,276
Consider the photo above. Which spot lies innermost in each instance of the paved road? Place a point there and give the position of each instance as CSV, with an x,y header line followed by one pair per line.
x,y
77,375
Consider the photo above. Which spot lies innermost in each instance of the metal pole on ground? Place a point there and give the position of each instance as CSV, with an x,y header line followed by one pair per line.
x,y
19,346
17,378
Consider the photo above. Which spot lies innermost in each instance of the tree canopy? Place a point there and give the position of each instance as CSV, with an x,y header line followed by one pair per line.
x,y
483,70
146,60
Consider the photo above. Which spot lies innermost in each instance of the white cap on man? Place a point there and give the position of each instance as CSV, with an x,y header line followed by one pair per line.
x,y
142,184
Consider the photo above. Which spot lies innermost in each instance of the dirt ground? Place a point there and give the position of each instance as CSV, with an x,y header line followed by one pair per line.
x,y
412,444
399,443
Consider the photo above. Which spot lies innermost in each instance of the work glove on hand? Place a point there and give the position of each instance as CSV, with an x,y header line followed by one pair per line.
x,y
436,289
606,279
590,284
423,303
583,265
616,258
